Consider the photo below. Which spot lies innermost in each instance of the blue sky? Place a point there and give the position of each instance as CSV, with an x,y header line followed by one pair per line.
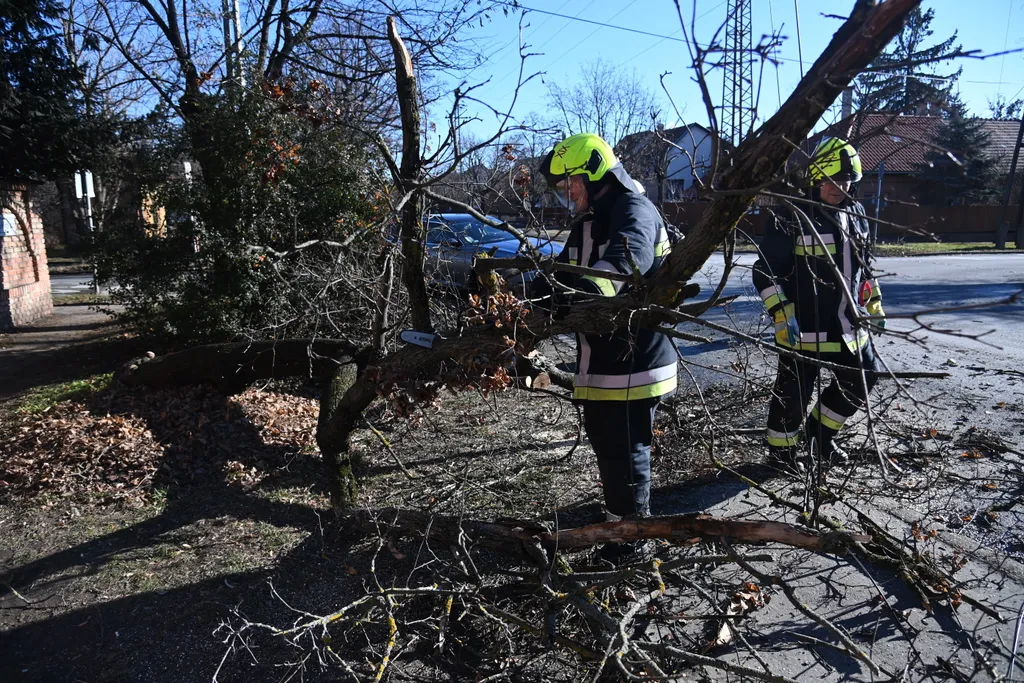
x,y
564,44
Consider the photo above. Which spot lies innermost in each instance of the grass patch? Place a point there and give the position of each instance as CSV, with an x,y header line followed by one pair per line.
x,y
84,299
43,398
924,248
55,260
917,248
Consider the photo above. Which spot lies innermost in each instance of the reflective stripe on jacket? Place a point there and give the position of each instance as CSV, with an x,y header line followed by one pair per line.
x,y
630,363
818,270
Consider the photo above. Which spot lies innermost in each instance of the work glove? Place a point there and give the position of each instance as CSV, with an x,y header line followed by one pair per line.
x,y
787,329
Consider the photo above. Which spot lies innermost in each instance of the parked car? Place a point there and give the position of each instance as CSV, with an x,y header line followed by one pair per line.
x,y
454,240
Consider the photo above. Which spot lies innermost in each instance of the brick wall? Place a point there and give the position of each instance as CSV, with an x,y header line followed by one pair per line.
x,y
24,279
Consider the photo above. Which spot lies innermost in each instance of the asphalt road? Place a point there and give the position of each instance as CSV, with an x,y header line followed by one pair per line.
x,y
953,295
74,283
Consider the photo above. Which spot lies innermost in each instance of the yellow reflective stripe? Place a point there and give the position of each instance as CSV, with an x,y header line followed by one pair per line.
x,y
825,419
573,262
662,248
604,284
860,341
783,439
772,301
630,394
816,250
821,347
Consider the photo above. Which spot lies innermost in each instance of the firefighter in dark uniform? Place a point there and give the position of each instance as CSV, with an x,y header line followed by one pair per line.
x,y
814,277
620,377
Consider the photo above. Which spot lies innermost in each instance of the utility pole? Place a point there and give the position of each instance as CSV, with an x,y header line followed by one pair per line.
x,y
738,113
84,189
232,27
1004,227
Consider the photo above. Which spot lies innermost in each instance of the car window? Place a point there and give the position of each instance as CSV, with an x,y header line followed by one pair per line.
x,y
438,233
475,232
470,231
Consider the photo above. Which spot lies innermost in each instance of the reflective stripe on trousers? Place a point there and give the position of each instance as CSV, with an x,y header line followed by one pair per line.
x,y
638,385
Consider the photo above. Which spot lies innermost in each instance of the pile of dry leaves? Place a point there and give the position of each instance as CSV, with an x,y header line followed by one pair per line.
x,y
121,444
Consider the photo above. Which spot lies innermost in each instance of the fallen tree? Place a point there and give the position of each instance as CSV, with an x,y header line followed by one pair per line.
x,y
753,165
524,539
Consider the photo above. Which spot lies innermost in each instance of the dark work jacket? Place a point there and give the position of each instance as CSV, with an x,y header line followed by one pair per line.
x,y
630,363
804,272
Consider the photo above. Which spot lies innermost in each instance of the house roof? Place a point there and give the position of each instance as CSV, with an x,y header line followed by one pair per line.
x,y
642,153
901,141
635,143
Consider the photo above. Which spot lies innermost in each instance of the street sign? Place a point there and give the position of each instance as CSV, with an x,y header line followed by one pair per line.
x,y
83,185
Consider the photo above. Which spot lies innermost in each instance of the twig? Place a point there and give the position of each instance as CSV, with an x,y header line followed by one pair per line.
x,y
391,451
774,580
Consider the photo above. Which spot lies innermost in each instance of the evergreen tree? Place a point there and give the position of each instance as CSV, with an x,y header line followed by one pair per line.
x,y
903,79
42,130
1005,110
972,178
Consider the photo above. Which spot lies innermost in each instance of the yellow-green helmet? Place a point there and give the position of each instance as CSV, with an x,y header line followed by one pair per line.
x,y
835,159
584,154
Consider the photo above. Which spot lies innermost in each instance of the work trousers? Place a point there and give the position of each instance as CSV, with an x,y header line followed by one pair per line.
x,y
839,401
621,433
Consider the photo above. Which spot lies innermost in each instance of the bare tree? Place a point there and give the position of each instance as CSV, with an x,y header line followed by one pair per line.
x,y
596,620
606,100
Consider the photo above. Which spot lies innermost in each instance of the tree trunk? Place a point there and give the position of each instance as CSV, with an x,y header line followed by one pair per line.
x,y
69,216
411,170
334,426
342,403
520,538
232,367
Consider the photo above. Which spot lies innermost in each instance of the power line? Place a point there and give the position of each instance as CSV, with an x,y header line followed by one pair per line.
x,y
587,37
1006,39
775,52
603,24
799,41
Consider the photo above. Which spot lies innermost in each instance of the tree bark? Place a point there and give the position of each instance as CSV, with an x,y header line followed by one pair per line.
x,y
520,538
335,424
755,162
411,170
232,367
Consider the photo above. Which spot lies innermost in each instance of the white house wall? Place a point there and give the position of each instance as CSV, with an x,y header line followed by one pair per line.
x,y
697,144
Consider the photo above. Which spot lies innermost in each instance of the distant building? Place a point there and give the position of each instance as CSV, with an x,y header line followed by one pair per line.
x,y
896,145
24,277
670,162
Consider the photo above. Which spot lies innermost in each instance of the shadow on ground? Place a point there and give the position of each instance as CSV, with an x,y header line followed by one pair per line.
x,y
73,343
147,634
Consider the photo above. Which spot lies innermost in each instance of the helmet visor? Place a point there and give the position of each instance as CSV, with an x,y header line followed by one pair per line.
x,y
560,189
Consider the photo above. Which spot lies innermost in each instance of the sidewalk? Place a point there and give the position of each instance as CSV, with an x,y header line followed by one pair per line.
x,y
72,343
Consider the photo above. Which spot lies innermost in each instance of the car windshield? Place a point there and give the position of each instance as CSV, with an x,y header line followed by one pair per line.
x,y
470,231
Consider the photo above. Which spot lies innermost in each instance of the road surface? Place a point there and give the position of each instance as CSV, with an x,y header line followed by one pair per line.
x,y
73,283
977,285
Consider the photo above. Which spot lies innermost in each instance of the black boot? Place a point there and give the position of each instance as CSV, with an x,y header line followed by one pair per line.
x,y
788,458
834,455
627,552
